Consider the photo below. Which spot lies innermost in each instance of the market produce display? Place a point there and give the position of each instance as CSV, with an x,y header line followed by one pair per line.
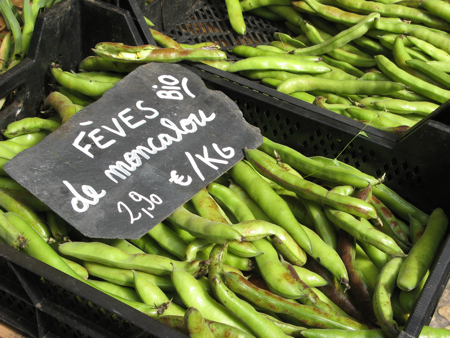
x,y
221,265
379,53
289,245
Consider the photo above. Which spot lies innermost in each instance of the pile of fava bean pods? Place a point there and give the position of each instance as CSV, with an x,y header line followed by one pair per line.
x,y
363,50
280,245
370,67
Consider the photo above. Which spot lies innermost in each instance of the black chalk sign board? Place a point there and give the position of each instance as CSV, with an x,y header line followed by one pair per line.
x,y
126,162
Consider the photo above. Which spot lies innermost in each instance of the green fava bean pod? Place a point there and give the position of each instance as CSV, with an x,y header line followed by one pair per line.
x,y
270,202
288,13
278,280
255,230
395,11
168,240
259,325
148,245
196,325
436,39
97,63
200,227
247,5
428,48
408,299
151,294
29,125
118,290
219,329
235,16
363,231
76,97
167,55
282,241
154,264
423,252
326,333
13,205
307,315
256,211
324,228
193,294
248,51
340,87
91,88
404,107
433,72
433,92
125,277
437,7
307,189
384,289
341,38
207,207
278,63
9,234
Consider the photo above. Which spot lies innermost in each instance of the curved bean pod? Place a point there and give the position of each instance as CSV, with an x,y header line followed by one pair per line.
x,y
201,227
307,315
384,289
151,294
307,83
159,265
97,63
118,290
13,205
261,326
273,272
413,83
166,55
270,202
436,39
342,38
208,208
434,73
10,235
125,277
358,285
278,63
423,252
324,333
194,295
219,329
392,10
29,125
94,89
196,325
363,232
307,189
428,48
168,240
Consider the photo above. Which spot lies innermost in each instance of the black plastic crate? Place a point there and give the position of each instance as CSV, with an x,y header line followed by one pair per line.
x,y
196,21
64,34
420,178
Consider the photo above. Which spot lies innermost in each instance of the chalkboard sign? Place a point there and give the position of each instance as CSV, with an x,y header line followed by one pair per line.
x,y
126,162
